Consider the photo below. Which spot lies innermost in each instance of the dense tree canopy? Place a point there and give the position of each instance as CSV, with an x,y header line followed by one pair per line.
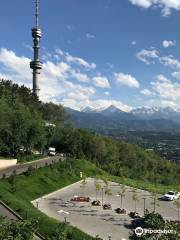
x,y
17,230
116,157
23,118
22,126
154,221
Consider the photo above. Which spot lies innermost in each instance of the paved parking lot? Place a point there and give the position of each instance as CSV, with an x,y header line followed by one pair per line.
x,y
95,220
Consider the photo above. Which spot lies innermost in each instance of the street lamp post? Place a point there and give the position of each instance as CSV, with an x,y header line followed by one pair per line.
x,y
37,204
102,190
144,204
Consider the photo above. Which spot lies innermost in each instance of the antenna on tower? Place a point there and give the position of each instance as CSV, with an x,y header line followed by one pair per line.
x,y
35,64
37,13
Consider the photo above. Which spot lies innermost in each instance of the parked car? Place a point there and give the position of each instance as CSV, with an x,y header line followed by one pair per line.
x,y
96,203
120,210
107,206
80,199
52,151
134,215
136,223
171,195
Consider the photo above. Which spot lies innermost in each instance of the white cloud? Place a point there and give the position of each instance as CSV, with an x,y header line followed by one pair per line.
x,y
147,55
166,89
162,78
15,65
176,75
126,79
75,60
90,36
146,92
55,82
166,5
142,3
162,103
165,103
107,93
133,43
101,82
54,78
81,77
56,70
167,44
170,61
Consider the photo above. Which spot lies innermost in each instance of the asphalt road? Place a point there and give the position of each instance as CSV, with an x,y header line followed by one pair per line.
x,y
6,213
22,168
95,220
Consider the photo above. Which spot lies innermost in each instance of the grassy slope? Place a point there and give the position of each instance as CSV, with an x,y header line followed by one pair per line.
x,y
41,182
49,179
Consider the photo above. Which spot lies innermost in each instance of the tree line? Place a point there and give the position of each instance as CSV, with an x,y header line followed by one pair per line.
x,y
22,129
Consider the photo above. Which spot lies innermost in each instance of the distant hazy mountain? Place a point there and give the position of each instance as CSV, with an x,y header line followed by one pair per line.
x,y
150,113
152,119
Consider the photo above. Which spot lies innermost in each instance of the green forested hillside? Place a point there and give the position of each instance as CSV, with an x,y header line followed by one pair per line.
x,y
22,120
22,127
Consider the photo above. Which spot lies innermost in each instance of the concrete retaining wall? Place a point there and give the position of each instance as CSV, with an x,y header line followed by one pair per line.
x,y
7,163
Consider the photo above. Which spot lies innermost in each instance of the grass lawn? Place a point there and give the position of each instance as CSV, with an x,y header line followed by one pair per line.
x,y
41,182
51,178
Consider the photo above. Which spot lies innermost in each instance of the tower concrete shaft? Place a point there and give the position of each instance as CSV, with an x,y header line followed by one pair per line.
x,y
36,64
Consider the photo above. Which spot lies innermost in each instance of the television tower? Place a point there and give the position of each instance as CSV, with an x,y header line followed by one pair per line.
x,y
36,64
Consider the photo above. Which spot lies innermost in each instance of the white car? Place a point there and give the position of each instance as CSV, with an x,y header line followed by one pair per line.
x,y
52,151
171,196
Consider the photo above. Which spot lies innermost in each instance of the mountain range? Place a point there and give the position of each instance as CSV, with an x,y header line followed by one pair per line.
x,y
145,118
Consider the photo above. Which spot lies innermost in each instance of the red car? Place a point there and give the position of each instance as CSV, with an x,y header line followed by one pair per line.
x,y
81,199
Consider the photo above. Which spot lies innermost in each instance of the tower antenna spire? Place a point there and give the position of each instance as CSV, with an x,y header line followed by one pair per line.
x,y
37,13
36,64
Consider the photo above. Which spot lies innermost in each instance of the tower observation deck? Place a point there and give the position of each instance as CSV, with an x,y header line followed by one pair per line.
x,y
36,64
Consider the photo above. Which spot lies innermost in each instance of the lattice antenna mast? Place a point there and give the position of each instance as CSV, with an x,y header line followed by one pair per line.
x,y
37,13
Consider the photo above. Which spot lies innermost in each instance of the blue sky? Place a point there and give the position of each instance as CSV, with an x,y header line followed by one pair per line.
x,y
96,52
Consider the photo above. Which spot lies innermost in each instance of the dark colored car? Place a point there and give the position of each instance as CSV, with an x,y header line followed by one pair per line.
x,y
134,215
136,223
96,203
120,210
107,206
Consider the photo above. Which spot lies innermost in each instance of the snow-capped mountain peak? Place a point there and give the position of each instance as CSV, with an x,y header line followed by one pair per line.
x,y
110,109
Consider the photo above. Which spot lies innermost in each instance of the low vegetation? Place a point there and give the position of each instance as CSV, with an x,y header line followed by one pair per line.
x,y
19,191
40,182
154,221
23,129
